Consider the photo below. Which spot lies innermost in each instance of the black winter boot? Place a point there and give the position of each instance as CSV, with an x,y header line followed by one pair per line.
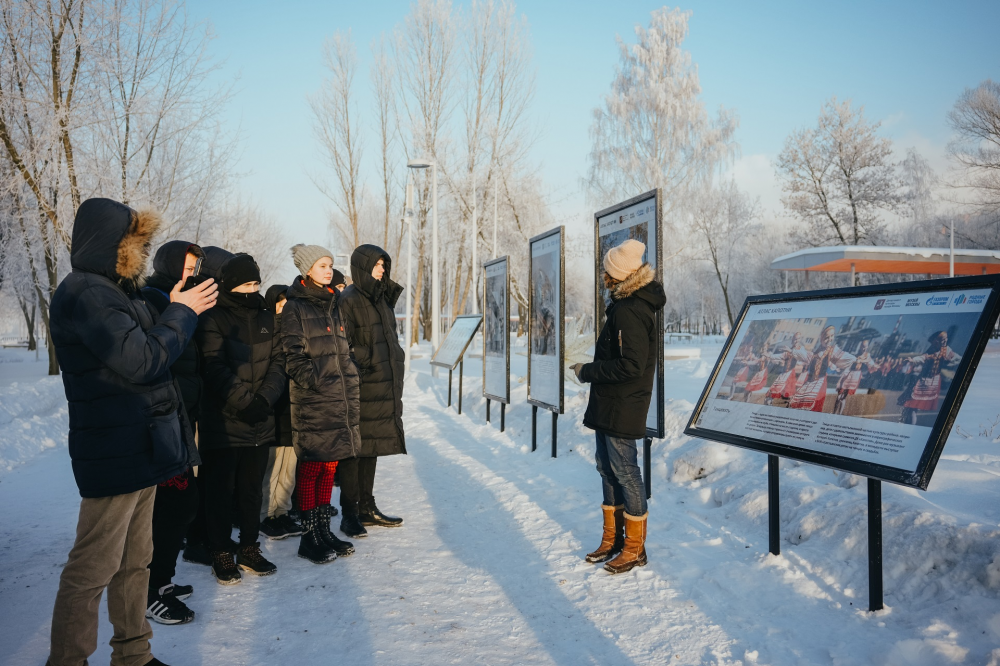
x,y
342,548
250,559
351,525
371,516
224,568
311,545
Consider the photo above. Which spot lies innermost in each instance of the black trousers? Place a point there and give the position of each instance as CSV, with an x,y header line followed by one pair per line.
x,y
356,478
198,530
228,475
173,511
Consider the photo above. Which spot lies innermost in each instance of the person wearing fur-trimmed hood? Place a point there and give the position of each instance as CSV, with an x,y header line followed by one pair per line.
x,y
622,378
126,432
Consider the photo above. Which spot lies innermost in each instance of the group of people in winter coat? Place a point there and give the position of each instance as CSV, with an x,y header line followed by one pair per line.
x,y
198,404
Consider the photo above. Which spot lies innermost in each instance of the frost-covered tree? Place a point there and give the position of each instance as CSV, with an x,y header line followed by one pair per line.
x,y
839,179
652,129
976,147
723,218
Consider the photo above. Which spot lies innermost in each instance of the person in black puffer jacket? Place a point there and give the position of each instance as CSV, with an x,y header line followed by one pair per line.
x,y
324,393
622,377
244,377
370,322
126,429
279,479
177,499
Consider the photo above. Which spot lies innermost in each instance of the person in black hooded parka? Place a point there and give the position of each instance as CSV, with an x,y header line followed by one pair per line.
x,y
177,499
126,431
366,309
244,377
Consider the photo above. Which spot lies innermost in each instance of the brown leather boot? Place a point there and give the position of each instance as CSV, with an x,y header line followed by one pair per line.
x,y
634,552
613,539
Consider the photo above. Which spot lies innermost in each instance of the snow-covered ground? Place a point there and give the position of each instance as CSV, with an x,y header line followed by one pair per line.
x,y
488,567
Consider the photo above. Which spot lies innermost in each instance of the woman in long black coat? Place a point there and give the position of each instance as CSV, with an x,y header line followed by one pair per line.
x,y
367,311
324,394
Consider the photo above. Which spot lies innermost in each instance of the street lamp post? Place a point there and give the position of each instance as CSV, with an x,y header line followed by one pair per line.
x,y
475,233
408,221
435,285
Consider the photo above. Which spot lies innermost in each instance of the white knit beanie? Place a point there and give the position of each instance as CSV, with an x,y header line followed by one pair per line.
x,y
622,261
305,256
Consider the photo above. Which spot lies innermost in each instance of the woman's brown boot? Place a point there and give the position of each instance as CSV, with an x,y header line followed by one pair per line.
x,y
613,539
634,552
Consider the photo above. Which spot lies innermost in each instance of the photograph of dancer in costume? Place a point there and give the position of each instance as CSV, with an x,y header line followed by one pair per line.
x,y
784,385
851,380
926,390
812,394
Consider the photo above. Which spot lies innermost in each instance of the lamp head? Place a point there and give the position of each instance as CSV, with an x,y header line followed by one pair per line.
x,y
419,163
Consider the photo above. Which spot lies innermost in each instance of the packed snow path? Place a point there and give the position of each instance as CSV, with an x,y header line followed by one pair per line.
x,y
489,565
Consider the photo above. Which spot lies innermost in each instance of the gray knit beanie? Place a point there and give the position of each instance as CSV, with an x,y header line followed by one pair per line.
x,y
305,256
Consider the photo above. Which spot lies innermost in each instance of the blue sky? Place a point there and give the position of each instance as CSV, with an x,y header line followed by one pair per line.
x,y
775,63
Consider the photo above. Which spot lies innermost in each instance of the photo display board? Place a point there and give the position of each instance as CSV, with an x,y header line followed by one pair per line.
x,y
496,330
450,353
545,315
636,219
866,379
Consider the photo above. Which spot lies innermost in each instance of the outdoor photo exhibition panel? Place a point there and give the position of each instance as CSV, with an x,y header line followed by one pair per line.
x,y
866,379
451,351
496,331
545,320
637,219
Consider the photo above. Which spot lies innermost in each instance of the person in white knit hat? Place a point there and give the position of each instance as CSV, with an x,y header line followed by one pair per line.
x,y
622,386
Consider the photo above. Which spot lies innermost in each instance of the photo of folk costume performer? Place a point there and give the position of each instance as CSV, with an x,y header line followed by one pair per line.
x,y
784,385
926,390
850,380
812,394
759,380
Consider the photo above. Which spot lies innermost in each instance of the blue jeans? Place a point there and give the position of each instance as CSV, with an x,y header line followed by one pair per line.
x,y
620,475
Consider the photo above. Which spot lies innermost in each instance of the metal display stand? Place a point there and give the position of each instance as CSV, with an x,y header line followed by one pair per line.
x,y
556,409
499,264
452,352
954,292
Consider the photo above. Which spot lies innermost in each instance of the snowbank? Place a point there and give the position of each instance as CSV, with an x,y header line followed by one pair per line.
x,y
33,418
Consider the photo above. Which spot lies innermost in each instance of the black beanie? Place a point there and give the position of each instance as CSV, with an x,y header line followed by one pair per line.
x,y
240,269
338,278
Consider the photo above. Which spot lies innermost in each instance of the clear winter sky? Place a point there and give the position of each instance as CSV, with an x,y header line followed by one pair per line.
x,y
774,62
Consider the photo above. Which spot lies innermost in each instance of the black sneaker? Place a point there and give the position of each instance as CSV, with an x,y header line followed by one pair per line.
x,y
181,592
370,516
224,568
250,559
292,526
352,527
197,553
273,528
165,608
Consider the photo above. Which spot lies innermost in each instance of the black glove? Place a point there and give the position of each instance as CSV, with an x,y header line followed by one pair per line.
x,y
256,412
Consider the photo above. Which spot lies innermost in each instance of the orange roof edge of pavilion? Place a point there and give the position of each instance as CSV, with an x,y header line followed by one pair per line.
x,y
882,259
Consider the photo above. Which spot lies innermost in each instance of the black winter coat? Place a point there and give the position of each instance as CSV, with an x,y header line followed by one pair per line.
x,y
168,265
625,358
240,359
324,391
366,309
282,408
125,433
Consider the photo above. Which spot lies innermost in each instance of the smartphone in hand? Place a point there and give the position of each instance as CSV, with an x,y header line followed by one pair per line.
x,y
196,278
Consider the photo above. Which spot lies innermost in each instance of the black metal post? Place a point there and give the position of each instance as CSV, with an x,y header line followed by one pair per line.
x,y
555,420
503,410
647,465
449,388
773,508
534,427
487,410
874,545
461,368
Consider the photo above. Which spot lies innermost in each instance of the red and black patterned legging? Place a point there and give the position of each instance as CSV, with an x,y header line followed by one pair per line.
x,y
314,483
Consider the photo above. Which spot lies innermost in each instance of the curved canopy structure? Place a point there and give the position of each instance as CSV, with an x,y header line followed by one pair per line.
x,y
884,259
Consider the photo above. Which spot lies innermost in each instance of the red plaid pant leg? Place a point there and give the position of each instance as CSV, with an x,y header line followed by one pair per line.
x,y
324,482
305,483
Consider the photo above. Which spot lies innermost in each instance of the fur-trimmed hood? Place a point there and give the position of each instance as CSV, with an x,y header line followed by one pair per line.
x,y
641,284
112,240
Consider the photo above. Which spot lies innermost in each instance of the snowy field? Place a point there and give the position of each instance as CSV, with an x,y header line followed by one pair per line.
x,y
489,565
